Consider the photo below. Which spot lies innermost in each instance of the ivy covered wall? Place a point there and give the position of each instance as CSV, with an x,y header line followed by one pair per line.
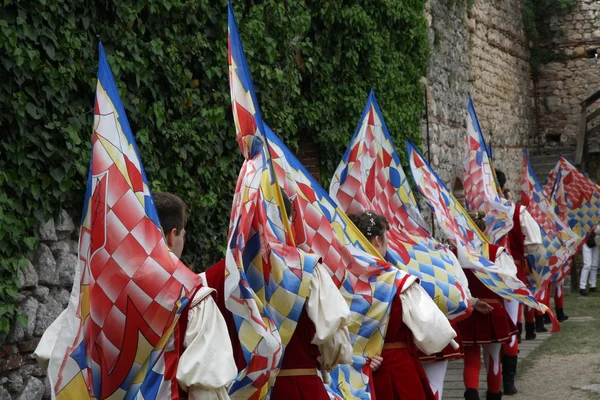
x,y
313,63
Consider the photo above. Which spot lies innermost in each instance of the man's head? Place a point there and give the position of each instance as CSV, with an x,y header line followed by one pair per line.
x,y
172,214
501,178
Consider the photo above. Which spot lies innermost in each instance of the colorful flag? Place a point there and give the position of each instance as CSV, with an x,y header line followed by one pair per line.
x,y
267,277
129,289
575,197
370,284
482,192
268,264
551,259
472,245
370,178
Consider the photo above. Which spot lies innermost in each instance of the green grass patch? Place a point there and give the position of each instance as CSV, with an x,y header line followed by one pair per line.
x,y
575,337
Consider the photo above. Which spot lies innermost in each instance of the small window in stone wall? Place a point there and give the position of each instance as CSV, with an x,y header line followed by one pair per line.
x,y
553,138
591,53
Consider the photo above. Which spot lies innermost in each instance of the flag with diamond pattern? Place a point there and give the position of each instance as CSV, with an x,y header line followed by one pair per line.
x,y
129,289
472,245
481,188
370,178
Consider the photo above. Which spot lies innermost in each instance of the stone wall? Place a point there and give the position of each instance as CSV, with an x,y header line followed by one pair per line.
x,y
45,286
481,52
562,85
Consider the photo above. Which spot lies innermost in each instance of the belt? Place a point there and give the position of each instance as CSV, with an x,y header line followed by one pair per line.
x,y
492,301
297,372
395,345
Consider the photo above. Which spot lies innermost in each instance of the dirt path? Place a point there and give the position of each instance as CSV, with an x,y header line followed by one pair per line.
x,y
553,377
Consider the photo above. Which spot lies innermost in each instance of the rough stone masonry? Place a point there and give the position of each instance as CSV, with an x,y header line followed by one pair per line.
x,y
45,287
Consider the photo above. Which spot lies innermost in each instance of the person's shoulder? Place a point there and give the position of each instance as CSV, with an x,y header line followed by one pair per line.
x,y
203,293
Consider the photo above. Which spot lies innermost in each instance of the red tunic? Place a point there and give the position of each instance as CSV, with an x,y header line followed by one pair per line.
x,y
516,246
401,375
479,328
215,278
300,354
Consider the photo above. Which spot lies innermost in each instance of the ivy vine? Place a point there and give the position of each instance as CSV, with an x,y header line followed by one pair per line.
x,y
536,18
313,63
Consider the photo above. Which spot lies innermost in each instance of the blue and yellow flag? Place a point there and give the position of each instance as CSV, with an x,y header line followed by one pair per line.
x,y
472,245
116,339
575,197
370,178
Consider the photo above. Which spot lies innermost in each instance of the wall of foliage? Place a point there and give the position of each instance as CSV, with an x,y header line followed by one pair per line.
x,y
313,63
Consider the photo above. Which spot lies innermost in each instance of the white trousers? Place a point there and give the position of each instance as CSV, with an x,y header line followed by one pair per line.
x,y
436,372
590,266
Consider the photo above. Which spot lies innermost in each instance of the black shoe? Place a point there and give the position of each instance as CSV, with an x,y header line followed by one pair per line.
x,y
530,331
592,290
547,319
493,396
539,324
471,394
560,315
583,292
509,370
520,328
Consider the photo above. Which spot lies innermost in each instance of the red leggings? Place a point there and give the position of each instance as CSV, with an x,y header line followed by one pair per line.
x,y
511,348
492,356
559,299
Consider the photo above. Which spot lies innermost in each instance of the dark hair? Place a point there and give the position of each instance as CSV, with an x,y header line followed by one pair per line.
x,y
479,220
171,211
501,178
370,224
286,203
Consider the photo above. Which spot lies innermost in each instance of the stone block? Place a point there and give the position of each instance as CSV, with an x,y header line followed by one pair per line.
x,y
27,276
29,345
45,265
15,382
64,225
58,248
47,313
18,332
579,51
66,265
10,363
47,231
61,295
73,247
40,293
34,390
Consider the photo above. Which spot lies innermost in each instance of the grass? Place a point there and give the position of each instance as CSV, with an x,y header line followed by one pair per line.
x,y
575,337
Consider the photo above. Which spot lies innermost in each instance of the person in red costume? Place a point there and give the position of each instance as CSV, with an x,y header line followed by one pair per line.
x,y
522,239
320,342
435,365
414,323
487,330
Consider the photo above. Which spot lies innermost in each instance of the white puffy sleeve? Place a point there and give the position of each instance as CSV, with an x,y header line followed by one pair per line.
x,y
44,349
328,310
505,262
206,366
531,230
430,328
